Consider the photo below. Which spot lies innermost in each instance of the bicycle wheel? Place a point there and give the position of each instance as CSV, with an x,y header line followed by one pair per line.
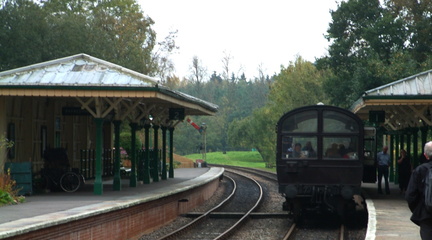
x,y
70,182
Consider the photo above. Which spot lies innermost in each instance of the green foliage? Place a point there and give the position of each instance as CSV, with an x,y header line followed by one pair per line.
x,y
5,198
233,158
297,85
236,100
113,30
374,43
5,144
8,190
125,141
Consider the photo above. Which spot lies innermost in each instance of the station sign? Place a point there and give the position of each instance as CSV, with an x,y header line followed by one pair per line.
x,y
176,113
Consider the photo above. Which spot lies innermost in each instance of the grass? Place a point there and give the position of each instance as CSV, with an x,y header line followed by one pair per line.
x,y
250,159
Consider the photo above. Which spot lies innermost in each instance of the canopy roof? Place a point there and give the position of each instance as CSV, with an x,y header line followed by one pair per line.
x,y
89,79
406,102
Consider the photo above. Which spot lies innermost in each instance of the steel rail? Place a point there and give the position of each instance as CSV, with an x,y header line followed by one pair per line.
x,y
230,230
204,215
290,232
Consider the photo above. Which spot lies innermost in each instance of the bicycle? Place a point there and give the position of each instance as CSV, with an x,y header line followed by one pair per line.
x,y
68,181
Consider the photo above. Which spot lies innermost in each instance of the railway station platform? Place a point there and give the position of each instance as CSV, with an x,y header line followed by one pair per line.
x,y
389,215
121,214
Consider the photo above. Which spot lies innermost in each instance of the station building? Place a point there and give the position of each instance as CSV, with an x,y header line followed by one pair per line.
x,y
401,113
77,103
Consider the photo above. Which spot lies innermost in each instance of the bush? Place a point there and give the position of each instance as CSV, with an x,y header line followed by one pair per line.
x,y
8,190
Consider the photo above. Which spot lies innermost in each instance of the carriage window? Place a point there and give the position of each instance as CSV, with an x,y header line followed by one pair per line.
x,y
302,122
299,147
340,147
336,122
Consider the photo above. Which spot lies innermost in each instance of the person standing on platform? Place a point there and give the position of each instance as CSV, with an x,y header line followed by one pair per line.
x,y
383,169
415,196
404,171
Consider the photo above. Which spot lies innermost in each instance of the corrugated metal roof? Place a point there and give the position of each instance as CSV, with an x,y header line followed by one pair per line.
x,y
419,84
77,70
405,102
84,71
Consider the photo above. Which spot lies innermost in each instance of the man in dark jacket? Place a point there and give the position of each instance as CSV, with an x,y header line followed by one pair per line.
x,y
415,196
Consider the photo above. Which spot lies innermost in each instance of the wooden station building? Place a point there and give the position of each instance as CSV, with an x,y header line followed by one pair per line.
x,y
78,103
401,113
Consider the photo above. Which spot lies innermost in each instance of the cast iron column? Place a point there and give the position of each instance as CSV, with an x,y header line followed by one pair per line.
x,y
117,177
155,155
146,154
164,147
98,185
133,176
171,166
415,159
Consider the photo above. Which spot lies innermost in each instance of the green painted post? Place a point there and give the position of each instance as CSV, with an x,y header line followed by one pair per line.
x,y
155,154
424,134
415,155
171,165
392,153
133,176
98,185
396,151
164,147
117,177
146,154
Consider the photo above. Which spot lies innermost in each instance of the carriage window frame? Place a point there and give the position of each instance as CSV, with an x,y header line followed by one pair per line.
x,y
346,147
295,120
289,144
349,130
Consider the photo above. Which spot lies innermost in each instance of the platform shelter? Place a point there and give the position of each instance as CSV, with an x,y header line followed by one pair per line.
x,y
78,103
401,112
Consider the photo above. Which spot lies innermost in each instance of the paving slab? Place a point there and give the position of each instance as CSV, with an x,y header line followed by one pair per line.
x,y
389,215
42,210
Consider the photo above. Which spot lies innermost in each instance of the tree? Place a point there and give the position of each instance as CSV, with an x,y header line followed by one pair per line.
x,y
22,29
416,16
297,85
226,60
161,57
198,71
113,30
374,44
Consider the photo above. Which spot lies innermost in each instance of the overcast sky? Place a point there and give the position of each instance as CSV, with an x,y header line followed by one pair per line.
x,y
270,33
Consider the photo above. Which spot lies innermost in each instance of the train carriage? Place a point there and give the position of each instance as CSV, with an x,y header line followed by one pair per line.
x,y
320,155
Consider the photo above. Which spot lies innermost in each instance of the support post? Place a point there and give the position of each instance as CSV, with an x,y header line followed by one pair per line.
x,y
415,159
164,147
398,145
133,176
171,165
117,177
155,171
98,185
146,154
424,133
392,152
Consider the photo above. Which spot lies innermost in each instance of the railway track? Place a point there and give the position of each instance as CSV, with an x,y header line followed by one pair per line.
x,y
237,217
294,231
207,227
